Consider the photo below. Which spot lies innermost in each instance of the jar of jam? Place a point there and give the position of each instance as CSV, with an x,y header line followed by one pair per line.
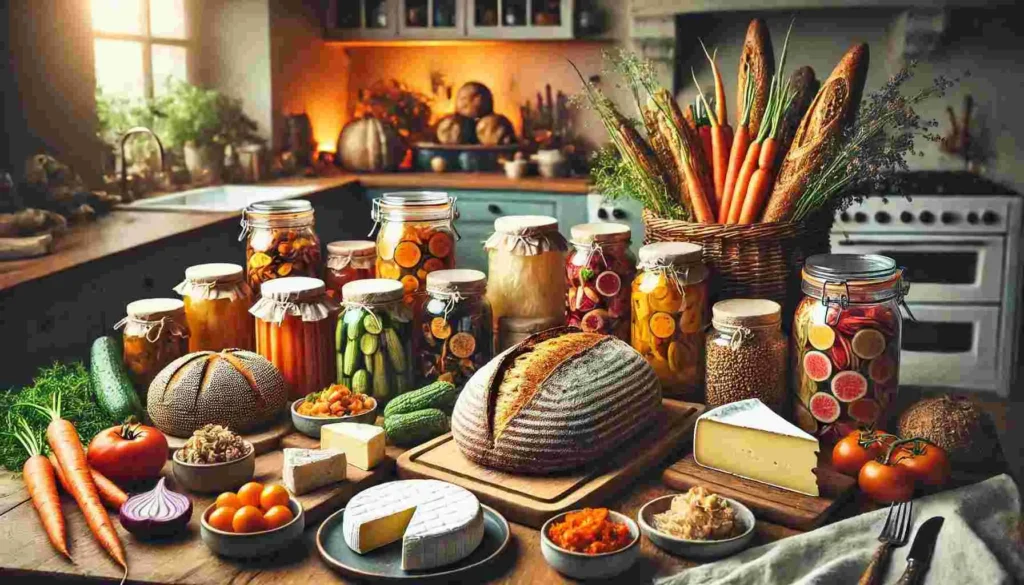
x,y
280,241
155,334
217,301
847,331
598,264
747,354
454,336
347,261
375,339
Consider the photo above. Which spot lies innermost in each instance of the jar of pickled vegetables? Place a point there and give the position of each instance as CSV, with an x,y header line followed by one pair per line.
x,y
417,236
846,342
526,269
347,261
598,263
746,354
295,331
280,241
669,314
455,330
217,302
375,339
155,334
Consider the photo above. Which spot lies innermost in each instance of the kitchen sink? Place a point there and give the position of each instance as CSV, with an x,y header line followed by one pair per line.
x,y
221,198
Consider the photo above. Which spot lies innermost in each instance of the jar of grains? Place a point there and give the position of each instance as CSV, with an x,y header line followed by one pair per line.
x,y
455,336
217,302
375,339
280,241
347,261
417,236
846,342
295,331
669,315
526,267
598,263
155,334
747,353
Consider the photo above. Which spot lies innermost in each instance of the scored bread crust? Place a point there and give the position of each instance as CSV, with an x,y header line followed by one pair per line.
x,y
758,58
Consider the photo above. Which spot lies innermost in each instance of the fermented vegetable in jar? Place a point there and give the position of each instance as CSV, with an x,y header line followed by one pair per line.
x,y
374,339
599,271
454,334
847,331
217,301
295,331
155,334
347,261
747,354
280,241
669,314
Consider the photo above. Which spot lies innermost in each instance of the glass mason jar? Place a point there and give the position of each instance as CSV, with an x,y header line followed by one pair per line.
x,y
596,268
417,236
280,241
669,315
348,261
375,339
295,331
846,342
217,302
455,330
747,354
155,334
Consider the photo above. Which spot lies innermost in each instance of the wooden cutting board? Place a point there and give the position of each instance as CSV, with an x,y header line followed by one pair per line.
x,y
533,500
767,502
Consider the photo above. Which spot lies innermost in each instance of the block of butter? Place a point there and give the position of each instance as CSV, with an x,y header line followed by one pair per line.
x,y
363,444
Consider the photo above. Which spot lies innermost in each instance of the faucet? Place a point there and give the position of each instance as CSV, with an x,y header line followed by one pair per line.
x,y
124,163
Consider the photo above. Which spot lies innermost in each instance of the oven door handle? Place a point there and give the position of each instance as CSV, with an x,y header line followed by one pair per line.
x,y
902,244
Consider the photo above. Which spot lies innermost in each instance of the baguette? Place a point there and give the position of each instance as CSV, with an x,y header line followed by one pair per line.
x,y
691,140
832,109
804,86
759,59
660,147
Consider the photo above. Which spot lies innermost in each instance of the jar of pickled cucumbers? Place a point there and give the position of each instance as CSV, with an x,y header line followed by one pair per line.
x,y
598,264
454,336
417,236
847,331
155,334
375,339
669,314
217,301
347,261
746,354
279,241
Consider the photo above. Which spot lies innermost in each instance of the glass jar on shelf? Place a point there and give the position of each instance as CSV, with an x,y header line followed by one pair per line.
x,y
375,339
747,354
217,301
669,315
417,236
280,241
847,331
596,268
347,261
295,331
155,334
455,334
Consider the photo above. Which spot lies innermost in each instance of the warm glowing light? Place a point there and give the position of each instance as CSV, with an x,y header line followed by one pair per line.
x,y
118,16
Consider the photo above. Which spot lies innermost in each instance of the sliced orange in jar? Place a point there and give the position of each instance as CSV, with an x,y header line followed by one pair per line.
x,y
440,245
407,254
410,283
432,264
462,345
662,325
387,269
440,328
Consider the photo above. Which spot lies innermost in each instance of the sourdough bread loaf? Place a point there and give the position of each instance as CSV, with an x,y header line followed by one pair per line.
x,y
757,60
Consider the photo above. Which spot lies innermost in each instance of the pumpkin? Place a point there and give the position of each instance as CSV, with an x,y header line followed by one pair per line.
x,y
456,129
495,129
474,100
370,144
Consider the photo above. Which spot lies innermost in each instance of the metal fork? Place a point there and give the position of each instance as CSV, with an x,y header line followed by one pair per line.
x,y
894,534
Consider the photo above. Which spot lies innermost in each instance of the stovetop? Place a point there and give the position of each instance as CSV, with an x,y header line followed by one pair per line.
x,y
922,214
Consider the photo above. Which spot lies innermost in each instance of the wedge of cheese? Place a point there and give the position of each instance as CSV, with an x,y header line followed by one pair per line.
x,y
363,444
308,469
749,440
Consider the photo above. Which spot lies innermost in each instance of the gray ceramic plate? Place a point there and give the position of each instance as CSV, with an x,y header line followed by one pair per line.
x,y
385,563
696,549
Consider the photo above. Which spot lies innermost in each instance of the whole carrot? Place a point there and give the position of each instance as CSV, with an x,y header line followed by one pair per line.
x,y
737,152
42,488
111,495
719,151
743,180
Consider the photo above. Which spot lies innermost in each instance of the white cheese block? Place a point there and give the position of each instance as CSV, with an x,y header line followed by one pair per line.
x,y
308,469
437,522
363,444
748,439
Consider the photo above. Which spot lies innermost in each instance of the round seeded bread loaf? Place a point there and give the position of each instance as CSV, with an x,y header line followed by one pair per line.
x,y
557,400
235,388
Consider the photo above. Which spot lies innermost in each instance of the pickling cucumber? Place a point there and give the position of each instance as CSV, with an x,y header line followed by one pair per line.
x,y
440,395
110,382
413,428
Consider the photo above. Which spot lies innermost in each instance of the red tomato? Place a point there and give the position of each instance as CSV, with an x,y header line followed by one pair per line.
x,y
926,462
128,453
857,448
886,483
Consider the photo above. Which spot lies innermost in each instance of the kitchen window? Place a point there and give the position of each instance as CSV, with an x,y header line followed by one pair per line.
x,y
140,44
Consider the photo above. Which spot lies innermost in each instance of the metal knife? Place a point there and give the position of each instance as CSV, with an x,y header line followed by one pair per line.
x,y
920,555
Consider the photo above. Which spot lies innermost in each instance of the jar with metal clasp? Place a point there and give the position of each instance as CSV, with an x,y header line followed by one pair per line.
x,y
280,241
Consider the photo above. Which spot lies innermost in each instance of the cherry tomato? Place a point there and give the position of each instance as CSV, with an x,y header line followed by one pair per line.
x,y
857,448
128,453
886,483
221,518
277,517
926,462
249,493
248,519
273,495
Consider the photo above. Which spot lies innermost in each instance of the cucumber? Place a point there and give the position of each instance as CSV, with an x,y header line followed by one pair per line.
x,y
339,335
369,343
339,364
351,353
413,428
401,382
345,381
368,360
440,395
393,345
361,382
354,327
114,390
381,389
372,324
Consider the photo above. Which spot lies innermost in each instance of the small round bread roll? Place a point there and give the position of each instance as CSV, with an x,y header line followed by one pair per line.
x,y
494,130
474,100
456,129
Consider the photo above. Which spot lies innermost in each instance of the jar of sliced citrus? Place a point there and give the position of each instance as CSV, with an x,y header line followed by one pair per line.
x,y
454,336
280,241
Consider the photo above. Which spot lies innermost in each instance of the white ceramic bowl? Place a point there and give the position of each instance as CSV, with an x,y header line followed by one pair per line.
x,y
696,549
584,566
311,425
252,545
214,477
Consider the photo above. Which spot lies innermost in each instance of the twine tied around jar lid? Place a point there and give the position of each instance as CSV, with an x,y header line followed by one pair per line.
x,y
214,281
526,235
299,296
742,316
275,214
359,253
454,286
590,236
155,315
680,262
370,294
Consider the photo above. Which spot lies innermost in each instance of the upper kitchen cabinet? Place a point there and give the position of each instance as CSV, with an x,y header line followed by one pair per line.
x,y
520,19
361,19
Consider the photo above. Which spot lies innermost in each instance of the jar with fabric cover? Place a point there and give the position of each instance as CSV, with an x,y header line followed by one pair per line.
x,y
847,331
747,354
217,301
455,334
295,331
417,236
598,265
669,315
347,261
155,334
375,339
280,241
